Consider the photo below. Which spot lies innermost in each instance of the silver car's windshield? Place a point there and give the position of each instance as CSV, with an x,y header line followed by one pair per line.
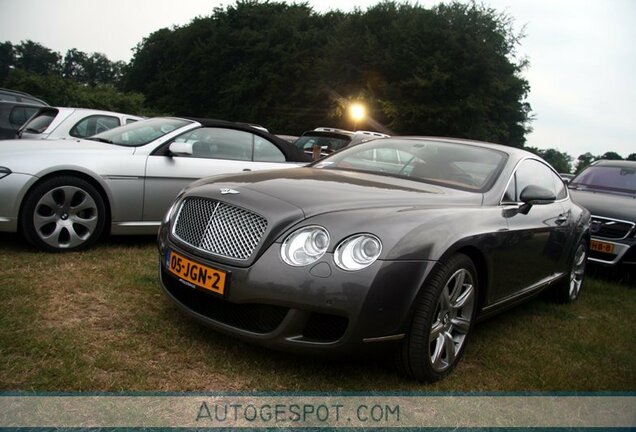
x,y
610,178
447,164
141,132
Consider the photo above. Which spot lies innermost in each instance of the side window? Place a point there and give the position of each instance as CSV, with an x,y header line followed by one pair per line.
x,y
531,172
19,115
219,143
93,125
265,151
559,187
130,120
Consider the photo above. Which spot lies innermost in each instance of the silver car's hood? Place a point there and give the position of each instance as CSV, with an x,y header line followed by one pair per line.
x,y
32,156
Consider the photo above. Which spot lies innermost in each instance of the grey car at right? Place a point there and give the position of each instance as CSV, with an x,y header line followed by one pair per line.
x,y
607,188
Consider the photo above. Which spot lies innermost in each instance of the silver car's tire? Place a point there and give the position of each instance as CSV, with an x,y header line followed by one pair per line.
x,y
569,289
442,321
63,214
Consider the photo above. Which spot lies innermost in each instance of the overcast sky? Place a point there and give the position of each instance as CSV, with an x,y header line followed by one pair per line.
x,y
582,54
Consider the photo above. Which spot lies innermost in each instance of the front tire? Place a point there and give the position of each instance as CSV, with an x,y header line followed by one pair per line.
x,y
63,213
442,321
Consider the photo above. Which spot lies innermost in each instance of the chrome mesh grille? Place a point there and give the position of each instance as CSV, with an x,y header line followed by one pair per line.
x,y
610,228
219,228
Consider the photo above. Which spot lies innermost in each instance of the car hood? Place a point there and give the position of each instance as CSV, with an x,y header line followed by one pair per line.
x,y
315,191
31,156
608,205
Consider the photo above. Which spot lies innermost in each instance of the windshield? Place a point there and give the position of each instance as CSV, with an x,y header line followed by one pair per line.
x,y
141,132
610,178
447,164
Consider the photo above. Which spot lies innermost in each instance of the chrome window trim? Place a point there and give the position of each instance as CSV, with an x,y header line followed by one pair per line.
x,y
514,171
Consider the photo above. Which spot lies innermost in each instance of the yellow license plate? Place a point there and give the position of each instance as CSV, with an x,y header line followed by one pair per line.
x,y
196,274
600,246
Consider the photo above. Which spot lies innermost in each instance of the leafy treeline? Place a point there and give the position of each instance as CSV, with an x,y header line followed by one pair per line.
x,y
562,161
448,70
75,79
587,158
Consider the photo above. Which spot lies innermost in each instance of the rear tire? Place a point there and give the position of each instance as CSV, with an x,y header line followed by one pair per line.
x,y
63,213
569,288
442,321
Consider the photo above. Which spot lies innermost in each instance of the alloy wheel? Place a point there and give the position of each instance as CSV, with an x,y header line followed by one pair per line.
x,y
578,270
452,320
65,217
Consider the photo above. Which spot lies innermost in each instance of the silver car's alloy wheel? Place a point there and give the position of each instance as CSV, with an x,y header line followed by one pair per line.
x,y
452,320
578,271
63,213
65,217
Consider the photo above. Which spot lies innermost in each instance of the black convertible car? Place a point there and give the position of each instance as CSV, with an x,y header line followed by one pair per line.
x,y
399,243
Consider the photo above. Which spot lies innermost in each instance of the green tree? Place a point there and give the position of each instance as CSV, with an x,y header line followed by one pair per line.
x,y
583,161
59,91
7,60
91,69
36,58
449,70
560,161
610,155
631,157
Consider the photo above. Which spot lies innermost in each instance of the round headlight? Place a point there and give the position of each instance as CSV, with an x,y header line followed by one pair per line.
x,y
358,252
305,246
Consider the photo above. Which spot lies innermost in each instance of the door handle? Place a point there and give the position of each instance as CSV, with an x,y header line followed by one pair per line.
x,y
561,219
246,169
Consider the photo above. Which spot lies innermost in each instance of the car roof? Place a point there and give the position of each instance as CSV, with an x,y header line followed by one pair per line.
x,y
291,152
19,94
615,163
84,110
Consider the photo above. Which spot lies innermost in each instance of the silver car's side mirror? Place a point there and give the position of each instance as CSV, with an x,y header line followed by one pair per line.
x,y
180,148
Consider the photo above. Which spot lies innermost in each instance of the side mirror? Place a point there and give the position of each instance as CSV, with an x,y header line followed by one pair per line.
x,y
535,195
180,148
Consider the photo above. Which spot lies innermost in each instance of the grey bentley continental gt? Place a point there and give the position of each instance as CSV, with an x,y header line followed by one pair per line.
x,y
396,244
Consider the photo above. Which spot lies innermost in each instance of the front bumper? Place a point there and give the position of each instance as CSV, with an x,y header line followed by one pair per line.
x,y
612,252
12,190
315,309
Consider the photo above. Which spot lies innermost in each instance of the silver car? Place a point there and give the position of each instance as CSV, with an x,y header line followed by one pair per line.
x,y
72,123
64,194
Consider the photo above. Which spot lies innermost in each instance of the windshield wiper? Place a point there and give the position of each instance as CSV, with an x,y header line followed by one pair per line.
x,y
104,140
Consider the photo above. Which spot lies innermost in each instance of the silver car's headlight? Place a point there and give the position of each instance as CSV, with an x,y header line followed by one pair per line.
x,y
305,246
4,171
357,252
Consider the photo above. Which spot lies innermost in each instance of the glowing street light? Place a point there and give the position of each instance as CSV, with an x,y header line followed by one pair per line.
x,y
358,113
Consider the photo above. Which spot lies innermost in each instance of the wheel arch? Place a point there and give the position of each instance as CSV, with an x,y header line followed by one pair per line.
x,y
71,173
479,259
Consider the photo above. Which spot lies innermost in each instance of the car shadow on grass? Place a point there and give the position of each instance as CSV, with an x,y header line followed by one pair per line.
x,y
622,274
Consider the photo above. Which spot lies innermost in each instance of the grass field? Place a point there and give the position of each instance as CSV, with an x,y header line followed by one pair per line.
x,y
98,321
